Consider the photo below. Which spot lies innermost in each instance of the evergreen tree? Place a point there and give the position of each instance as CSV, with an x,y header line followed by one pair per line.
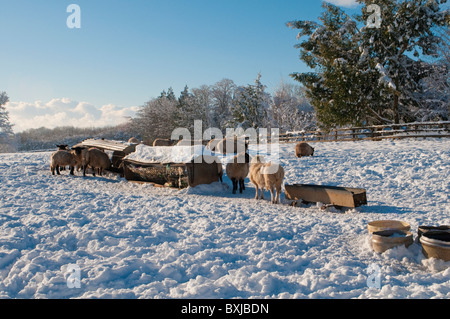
x,y
250,106
366,75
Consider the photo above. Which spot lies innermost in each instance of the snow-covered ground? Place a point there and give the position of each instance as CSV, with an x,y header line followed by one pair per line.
x,y
138,241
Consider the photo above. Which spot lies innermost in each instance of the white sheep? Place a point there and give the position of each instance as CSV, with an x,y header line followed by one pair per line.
x,y
237,170
266,176
273,177
255,175
231,145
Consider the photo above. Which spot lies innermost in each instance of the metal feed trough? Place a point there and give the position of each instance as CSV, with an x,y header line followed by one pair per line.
x,y
331,195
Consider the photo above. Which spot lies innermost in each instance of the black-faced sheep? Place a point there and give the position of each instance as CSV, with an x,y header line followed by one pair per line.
x,y
220,171
82,153
98,160
62,159
237,171
303,149
62,147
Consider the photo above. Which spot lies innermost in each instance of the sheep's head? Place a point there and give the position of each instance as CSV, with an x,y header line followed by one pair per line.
x,y
77,150
62,147
257,159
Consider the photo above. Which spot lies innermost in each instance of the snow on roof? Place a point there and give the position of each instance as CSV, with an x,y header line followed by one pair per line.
x,y
167,154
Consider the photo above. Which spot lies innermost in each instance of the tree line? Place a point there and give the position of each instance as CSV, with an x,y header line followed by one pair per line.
x,y
225,105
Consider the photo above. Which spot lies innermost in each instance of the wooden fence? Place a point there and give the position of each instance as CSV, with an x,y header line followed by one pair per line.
x,y
374,133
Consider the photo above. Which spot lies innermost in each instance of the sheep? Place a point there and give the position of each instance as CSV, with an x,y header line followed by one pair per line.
x,y
185,142
162,142
220,171
82,153
304,149
256,178
273,176
235,145
63,147
98,160
212,144
237,171
63,158
267,176
133,140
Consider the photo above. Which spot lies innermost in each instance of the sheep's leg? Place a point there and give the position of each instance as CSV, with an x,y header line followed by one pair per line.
x,y
272,198
257,192
57,170
262,192
71,170
234,185
84,170
52,169
241,186
278,194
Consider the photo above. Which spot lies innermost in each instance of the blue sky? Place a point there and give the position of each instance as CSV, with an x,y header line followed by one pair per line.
x,y
127,52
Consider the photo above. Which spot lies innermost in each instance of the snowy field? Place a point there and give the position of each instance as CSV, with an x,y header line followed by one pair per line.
x,y
138,241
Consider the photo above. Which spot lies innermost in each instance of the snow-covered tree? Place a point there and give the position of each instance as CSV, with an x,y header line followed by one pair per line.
x,y
435,99
193,106
290,109
364,75
156,119
250,106
7,141
407,35
222,103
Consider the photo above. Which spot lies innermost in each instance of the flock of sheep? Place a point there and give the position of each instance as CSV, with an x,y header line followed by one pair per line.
x,y
79,157
263,175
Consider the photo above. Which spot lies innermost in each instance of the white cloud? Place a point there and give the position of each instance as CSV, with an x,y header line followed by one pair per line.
x,y
65,112
344,3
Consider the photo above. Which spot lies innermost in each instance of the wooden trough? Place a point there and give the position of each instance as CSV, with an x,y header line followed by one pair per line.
x,y
331,195
196,170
